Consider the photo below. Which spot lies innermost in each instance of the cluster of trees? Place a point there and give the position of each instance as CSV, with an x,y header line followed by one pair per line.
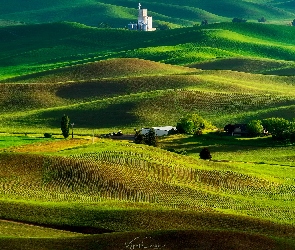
x,y
149,138
238,20
279,128
192,124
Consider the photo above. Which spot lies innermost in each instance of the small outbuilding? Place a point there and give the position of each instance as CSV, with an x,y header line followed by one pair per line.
x,y
159,131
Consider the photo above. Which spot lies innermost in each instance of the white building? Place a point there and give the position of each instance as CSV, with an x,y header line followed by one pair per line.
x,y
159,131
144,22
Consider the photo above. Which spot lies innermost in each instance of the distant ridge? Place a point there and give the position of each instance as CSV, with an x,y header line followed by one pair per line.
x,y
118,13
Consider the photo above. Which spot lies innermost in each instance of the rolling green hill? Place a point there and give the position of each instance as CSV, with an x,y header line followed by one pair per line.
x,y
110,79
118,13
134,188
38,48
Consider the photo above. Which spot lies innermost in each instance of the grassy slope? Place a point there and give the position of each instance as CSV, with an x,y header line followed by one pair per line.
x,y
75,44
256,95
119,13
119,190
146,100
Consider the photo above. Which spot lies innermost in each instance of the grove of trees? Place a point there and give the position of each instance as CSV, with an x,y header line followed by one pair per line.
x,y
192,124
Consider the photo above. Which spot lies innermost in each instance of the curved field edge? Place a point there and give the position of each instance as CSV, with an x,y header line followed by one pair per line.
x,y
14,229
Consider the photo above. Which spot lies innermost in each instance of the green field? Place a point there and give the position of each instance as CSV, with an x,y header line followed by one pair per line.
x,y
97,193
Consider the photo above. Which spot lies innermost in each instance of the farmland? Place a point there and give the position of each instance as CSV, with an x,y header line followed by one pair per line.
x,y
96,193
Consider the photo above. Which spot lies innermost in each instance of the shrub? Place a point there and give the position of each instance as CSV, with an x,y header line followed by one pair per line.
x,y
205,154
47,135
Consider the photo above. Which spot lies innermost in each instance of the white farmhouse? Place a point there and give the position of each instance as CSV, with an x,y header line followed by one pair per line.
x,y
159,131
144,22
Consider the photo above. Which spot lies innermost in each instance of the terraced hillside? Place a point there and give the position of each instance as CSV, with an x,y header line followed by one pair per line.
x,y
118,13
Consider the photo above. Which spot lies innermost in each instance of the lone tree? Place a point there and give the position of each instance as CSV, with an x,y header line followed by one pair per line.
x,y
205,154
65,126
204,22
293,23
262,20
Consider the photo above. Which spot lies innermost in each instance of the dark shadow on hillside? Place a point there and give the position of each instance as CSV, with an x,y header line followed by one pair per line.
x,y
114,115
91,89
242,65
224,143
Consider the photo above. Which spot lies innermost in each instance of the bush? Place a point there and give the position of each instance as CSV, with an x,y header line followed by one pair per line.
x,y
205,154
47,135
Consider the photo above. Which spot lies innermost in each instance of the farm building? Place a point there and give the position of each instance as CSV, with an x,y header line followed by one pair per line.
x,y
160,131
144,22
236,129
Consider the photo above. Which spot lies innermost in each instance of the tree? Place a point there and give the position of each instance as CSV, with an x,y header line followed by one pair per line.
x,y
277,127
138,137
204,22
150,138
205,154
65,126
238,20
192,123
293,23
255,128
185,126
262,20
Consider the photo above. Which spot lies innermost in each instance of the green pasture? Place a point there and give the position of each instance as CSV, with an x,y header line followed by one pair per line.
x,y
12,141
